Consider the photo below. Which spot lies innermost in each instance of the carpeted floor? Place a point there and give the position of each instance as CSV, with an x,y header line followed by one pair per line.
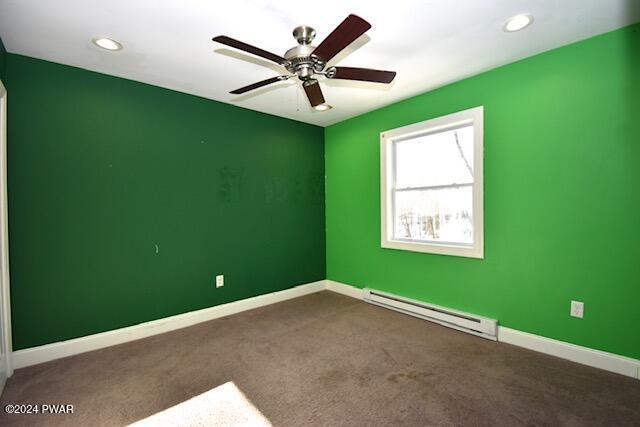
x,y
329,360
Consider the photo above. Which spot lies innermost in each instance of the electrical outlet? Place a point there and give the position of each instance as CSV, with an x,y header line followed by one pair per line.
x,y
577,309
219,281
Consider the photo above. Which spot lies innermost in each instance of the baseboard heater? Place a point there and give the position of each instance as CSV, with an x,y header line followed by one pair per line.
x,y
476,325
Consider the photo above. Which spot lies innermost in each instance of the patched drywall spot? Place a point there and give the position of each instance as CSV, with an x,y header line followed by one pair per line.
x,y
275,189
298,188
308,188
231,183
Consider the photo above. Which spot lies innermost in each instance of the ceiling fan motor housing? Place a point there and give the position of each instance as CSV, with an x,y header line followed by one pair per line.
x,y
304,34
300,60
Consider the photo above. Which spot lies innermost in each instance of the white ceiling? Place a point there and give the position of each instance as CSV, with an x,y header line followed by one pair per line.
x,y
168,42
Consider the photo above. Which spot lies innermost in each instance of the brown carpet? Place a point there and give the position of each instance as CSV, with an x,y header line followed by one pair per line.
x,y
328,360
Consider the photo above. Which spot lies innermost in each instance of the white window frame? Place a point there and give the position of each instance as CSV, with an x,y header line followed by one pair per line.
x,y
473,116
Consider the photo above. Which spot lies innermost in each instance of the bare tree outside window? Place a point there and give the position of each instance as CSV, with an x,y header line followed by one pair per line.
x,y
433,194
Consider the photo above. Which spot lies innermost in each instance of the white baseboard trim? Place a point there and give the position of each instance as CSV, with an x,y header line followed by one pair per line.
x,y
576,353
583,355
57,350
348,290
32,356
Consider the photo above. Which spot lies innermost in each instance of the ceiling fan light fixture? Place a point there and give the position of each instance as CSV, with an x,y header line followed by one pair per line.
x,y
106,43
305,61
518,22
323,107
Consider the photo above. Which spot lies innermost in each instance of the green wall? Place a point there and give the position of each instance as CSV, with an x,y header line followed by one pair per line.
x,y
562,196
102,169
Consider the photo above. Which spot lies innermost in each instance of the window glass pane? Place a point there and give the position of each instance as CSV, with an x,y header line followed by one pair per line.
x,y
437,159
440,215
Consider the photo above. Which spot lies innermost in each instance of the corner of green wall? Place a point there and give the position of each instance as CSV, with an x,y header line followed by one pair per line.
x,y
561,200
126,200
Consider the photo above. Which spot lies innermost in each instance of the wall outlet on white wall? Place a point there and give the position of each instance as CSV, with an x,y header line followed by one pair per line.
x,y
219,281
577,309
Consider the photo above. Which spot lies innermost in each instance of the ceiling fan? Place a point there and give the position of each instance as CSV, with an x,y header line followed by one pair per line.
x,y
306,61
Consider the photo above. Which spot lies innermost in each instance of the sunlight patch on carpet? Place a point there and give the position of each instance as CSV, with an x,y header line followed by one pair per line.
x,y
224,405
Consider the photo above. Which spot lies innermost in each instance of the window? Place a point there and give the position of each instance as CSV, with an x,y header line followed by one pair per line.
x,y
431,186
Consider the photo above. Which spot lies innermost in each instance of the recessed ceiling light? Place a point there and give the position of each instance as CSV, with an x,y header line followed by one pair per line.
x,y
518,22
106,43
323,107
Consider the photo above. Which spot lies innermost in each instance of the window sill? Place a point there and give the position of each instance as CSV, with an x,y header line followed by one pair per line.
x,y
435,248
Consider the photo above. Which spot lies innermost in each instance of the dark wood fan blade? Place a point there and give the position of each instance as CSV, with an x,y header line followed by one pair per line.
x,y
258,84
362,74
314,93
248,48
344,34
